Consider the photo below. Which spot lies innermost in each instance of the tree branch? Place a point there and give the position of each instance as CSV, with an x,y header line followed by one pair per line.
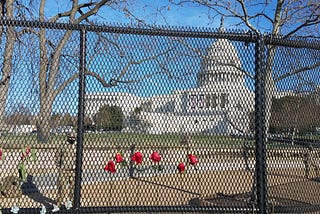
x,y
305,24
65,84
245,16
93,11
78,8
240,69
297,71
277,18
233,125
114,81
263,15
126,68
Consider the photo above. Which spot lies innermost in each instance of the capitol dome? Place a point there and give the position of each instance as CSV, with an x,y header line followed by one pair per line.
x,y
221,64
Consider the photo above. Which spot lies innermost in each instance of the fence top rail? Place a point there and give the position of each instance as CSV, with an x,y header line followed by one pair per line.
x,y
154,30
293,41
151,30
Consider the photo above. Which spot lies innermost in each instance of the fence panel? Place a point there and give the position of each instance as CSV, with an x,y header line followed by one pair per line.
x,y
182,103
172,120
293,147
39,99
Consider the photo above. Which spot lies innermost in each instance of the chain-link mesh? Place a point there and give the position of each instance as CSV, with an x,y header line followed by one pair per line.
x,y
37,110
183,102
293,148
168,124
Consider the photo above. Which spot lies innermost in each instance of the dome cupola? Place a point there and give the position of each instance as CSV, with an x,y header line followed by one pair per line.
x,y
221,63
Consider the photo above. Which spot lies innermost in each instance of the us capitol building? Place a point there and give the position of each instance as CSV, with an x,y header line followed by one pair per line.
x,y
219,104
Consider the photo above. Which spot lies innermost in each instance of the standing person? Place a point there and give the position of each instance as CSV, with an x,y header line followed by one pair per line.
x,y
310,161
66,160
186,139
245,154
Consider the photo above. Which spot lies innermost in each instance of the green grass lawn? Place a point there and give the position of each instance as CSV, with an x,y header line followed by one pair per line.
x,y
24,140
138,139
124,139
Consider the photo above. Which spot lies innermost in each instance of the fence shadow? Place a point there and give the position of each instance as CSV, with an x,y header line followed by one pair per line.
x,y
31,190
166,186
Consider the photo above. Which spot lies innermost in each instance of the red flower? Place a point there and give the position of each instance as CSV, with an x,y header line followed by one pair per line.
x,y
111,167
155,157
28,151
118,158
137,157
192,159
1,152
23,156
181,167
25,153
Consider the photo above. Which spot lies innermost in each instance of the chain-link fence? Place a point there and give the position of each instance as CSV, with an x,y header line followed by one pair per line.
x,y
121,119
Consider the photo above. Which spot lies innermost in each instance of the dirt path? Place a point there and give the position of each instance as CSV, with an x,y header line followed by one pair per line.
x,y
179,189
285,182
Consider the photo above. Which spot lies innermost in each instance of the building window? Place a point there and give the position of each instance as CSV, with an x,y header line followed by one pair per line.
x,y
224,100
201,101
193,101
208,101
197,101
213,101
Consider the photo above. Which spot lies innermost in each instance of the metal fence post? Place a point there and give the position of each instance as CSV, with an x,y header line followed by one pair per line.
x,y
77,190
260,126
131,168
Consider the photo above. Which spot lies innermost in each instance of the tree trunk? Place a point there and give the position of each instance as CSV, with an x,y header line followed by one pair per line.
x,y
7,62
270,85
43,124
47,82
271,52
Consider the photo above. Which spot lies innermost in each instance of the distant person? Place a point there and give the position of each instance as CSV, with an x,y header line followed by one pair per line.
x,y
246,155
310,161
186,139
66,160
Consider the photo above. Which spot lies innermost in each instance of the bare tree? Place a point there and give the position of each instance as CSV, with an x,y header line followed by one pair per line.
x,y
53,58
50,53
288,18
20,115
7,9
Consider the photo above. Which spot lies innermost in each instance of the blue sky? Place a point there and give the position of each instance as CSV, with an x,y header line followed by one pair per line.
x,y
151,11
160,12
